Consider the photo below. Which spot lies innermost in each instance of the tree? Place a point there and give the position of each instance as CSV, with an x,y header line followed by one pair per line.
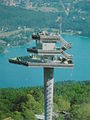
x,y
62,103
29,115
33,105
18,116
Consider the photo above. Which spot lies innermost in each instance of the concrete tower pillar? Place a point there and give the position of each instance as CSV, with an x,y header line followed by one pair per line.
x,y
48,92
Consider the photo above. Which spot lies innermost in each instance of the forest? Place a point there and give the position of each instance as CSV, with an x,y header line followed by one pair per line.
x,y
71,102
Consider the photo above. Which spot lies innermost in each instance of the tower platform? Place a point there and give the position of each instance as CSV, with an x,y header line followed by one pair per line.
x,y
40,62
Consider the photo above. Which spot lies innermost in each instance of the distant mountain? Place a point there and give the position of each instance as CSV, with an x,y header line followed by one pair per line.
x,y
43,13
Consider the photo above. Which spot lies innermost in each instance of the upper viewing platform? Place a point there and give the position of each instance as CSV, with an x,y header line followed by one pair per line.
x,y
44,36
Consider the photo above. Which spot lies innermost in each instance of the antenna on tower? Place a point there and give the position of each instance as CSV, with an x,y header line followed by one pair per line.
x,y
59,20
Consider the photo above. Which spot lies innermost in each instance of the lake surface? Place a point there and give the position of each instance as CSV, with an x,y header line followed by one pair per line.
x,y
19,76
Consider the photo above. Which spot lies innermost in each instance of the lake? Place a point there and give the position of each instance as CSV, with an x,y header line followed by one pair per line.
x,y
19,76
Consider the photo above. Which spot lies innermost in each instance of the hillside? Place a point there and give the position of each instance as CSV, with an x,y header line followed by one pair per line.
x,y
11,18
18,21
44,13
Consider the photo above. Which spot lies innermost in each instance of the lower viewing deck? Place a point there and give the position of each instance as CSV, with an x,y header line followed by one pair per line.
x,y
40,62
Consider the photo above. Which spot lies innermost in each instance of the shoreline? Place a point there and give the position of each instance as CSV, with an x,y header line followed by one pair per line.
x,y
41,86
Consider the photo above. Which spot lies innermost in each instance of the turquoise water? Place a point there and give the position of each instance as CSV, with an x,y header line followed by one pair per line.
x,y
19,76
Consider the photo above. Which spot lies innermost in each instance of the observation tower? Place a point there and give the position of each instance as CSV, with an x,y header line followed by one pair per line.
x,y
46,54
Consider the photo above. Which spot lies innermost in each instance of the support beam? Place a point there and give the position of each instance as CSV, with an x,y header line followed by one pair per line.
x,y
48,92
